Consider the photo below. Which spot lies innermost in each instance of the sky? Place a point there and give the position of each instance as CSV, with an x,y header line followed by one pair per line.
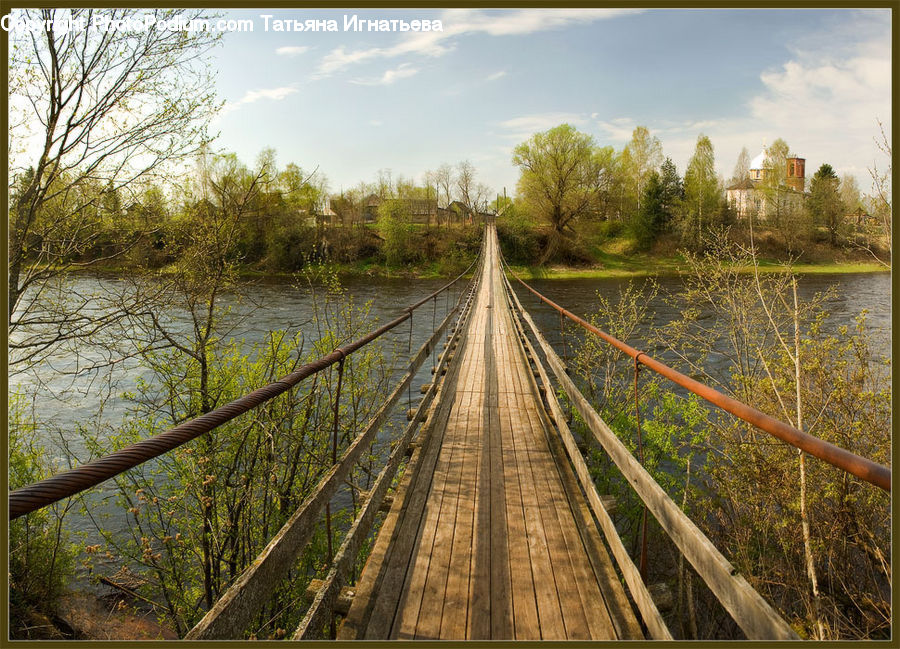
x,y
351,103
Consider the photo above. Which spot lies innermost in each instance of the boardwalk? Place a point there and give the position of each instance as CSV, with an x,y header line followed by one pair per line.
x,y
490,536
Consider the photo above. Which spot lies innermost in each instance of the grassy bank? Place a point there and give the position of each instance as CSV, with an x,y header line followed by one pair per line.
x,y
599,254
646,266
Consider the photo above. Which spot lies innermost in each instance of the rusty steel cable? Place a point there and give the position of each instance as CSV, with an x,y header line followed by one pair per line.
x,y
861,467
62,485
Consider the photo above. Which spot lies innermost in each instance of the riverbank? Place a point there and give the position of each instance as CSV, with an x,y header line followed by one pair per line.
x,y
608,267
654,267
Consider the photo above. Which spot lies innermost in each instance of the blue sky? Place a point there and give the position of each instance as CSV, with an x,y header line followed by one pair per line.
x,y
352,103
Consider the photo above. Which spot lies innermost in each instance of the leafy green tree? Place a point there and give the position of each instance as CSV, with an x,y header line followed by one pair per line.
x,y
611,184
199,515
641,156
559,179
395,229
646,224
849,191
776,195
108,107
672,190
825,205
702,195
786,521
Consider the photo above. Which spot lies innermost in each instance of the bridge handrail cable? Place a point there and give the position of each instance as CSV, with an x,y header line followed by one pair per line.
x,y
861,467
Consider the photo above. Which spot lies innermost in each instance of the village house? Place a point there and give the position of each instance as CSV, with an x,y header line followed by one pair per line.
x,y
420,210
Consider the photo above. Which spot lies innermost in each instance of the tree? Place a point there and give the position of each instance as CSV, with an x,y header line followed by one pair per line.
x,y
444,180
741,167
773,184
882,198
783,207
849,191
394,228
92,108
224,191
385,184
701,190
559,178
610,183
825,204
662,197
641,156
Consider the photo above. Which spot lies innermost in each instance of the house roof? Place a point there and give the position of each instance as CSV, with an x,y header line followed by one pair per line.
x,y
746,183
421,205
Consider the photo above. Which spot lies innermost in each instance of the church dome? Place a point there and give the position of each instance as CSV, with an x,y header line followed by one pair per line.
x,y
759,161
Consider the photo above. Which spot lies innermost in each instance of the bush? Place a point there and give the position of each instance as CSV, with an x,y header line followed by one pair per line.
x,y
519,236
41,561
395,230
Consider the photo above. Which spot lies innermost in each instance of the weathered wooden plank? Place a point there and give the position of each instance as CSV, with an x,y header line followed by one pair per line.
x,y
753,614
546,594
582,603
455,602
347,553
410,602
552,500
501,619
230,615
394,569
355,625
612,592
423,529
450,560
526,625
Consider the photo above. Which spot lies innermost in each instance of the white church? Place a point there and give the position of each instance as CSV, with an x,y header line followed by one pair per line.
x,y
745,197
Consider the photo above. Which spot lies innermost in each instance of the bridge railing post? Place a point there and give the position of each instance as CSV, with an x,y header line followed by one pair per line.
x,y
640,441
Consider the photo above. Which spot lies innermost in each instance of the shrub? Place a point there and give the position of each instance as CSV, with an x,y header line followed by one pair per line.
x,y
41,561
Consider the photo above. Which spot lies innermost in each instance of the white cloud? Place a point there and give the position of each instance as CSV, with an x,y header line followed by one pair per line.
x,y
495,76
823,101
375,122
292,50
527,125
252,96
390,76
462,22
616,131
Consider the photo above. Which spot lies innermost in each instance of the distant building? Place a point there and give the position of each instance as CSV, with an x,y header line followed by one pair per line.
x,y
746,198
420,210
861,218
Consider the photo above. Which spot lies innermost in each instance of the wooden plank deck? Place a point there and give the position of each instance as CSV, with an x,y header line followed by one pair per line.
x,y
489,536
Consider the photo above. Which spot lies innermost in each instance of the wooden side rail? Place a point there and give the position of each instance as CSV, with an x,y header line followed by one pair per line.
x,y
756,618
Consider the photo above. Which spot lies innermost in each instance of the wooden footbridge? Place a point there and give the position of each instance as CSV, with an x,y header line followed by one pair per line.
x,y
494,529
489,535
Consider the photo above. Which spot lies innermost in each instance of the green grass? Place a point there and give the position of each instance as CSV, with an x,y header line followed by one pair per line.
x,y
616,266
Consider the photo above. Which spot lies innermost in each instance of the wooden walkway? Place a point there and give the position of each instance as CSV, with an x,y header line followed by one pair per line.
x,y
489,536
